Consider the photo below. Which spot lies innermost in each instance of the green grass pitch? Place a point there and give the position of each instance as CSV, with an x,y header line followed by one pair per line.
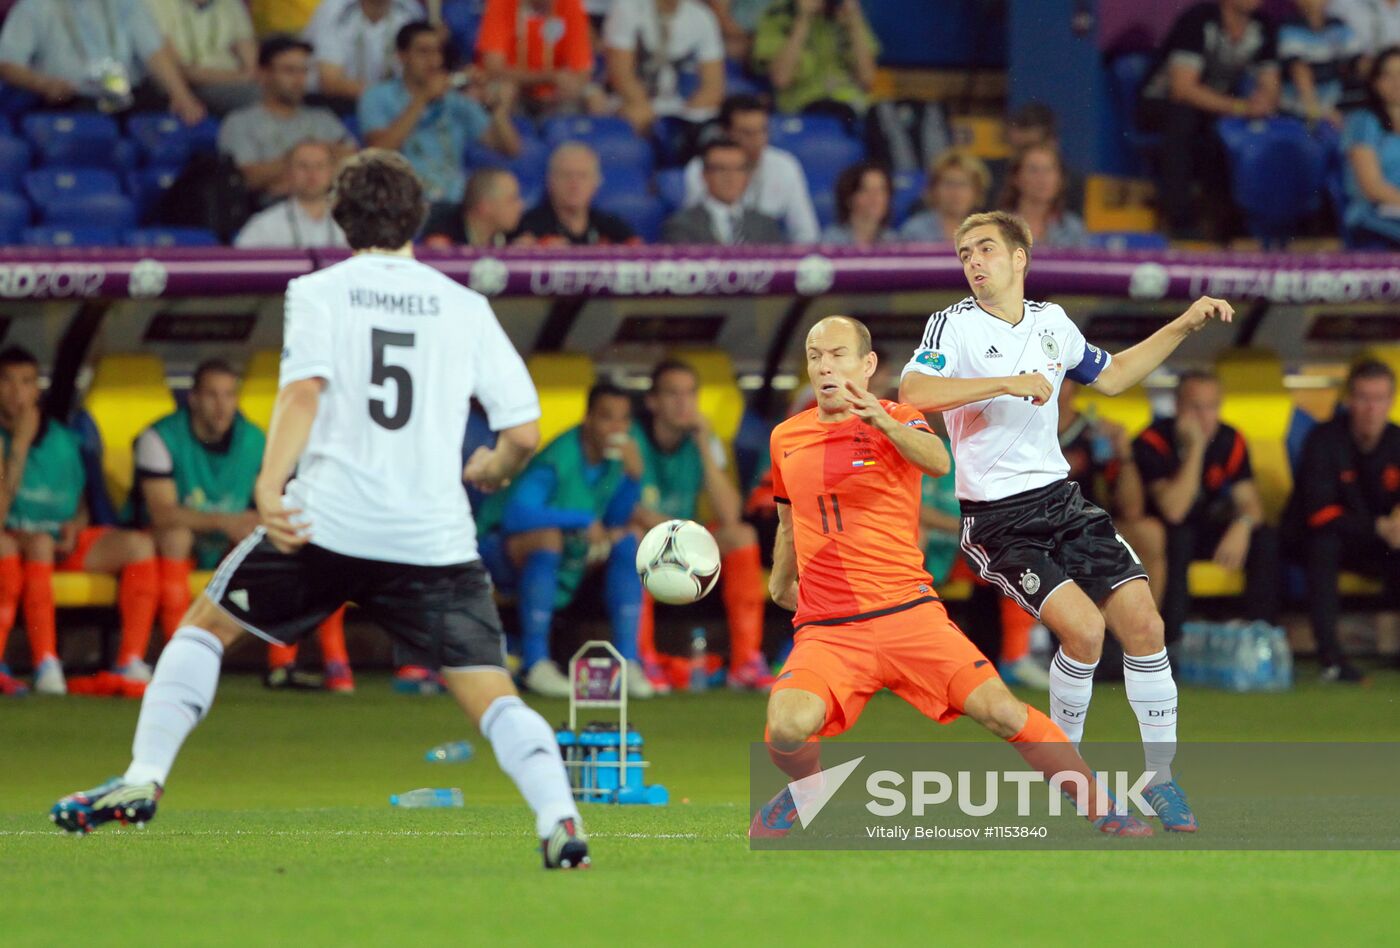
x,y
277,829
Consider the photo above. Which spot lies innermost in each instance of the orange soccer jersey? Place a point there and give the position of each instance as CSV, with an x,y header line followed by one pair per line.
x,y
855,515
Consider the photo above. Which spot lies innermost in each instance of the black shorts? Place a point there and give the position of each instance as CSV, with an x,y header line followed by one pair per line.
x,y
1031,544
442,616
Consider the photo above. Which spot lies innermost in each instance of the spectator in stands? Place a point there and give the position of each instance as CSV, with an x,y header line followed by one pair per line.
x,y
260,137
1375,23
1034,123
737,21
552,62
45,511
721,217
1371,142
569,514
195,470
491,212
213,43
653,47
1201,487
863,207
354,42
684,460
1319,53
818,54
957,186
777,184
1345,508
1102,463
94,54
304,218
566,216
1212,49
425,116
1035,190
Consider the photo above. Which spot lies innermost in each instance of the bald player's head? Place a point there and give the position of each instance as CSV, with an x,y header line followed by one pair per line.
x,y
838,351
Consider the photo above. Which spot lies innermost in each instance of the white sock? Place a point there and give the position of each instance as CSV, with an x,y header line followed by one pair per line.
x,y
528,752
178,697
1152,693
1071,687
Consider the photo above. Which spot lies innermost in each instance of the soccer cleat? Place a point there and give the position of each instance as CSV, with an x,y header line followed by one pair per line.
x,y
1122,824
656,674
339,678
753,675
639,687
48,678
1169,801
1343,673
566,847
84,811
1026,672
417,680
134,669
10,686
546,680
290,677
776,818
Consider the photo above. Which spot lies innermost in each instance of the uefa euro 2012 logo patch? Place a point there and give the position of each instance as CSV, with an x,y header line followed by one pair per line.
x,y
935,360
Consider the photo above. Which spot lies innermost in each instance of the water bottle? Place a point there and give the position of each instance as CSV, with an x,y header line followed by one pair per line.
x,y
1283,659
1244,665
453,752
1188,662
699,673
426,797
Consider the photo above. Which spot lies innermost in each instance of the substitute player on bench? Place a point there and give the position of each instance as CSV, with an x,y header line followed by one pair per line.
x,y
381,358
846,476
993,364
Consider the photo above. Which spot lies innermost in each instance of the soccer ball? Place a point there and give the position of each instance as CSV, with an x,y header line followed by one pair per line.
x,y
678,561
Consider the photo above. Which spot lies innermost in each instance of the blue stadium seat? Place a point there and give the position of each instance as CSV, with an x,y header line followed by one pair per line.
x,y
6,126
463,18
824,203
643,212
820,143
171,237
352,125
612,138
1128,240
163,140
786,128
116,211
147,186
79,236
739,81
45,185
14,217
529,165
1126,74
908,192
1278,171
532,192
670,185
16,101
204,137
15,157
72,139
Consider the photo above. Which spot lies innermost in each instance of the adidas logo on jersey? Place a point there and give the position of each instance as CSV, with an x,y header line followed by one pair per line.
x,y
992,353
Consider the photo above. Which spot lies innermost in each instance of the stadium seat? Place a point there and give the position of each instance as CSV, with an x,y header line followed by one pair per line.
x,y
204,137
529,165
1129,240
127,393
824,203
1390,355
259,390
1278,171
721,401
15,158
146,188
562,380
84,590
1132,409
824,156
71,236
171,237
116,211
908,192
643,212
1257,405
670,187
1126,74
620,149
72,139
739,81
462,19
14,217
46,185
163,139
15,101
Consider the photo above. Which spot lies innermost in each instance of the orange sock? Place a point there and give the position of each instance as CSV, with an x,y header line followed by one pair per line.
x,y
174,594
1016,625
646,629
279,655
11,585
1039,729
138,598
39,611
803,762
1044,746
332,633
744,600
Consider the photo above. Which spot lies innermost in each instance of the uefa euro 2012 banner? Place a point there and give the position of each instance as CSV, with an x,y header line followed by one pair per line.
x,y
44,274
943,795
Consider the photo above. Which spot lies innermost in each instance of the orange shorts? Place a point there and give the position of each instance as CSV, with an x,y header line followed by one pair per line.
x,y
73,562
919,653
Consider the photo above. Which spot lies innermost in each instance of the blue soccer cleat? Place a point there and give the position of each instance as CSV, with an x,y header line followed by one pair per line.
x,y
1169,801
84,811
775,818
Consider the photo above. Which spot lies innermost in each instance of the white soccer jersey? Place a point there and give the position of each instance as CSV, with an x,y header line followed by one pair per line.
x,y
402,349
1006,445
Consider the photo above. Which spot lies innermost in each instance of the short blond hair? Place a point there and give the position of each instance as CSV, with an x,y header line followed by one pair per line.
x,y
957,159
1013,229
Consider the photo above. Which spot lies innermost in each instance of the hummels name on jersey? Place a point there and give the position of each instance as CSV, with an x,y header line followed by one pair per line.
x,y
402,304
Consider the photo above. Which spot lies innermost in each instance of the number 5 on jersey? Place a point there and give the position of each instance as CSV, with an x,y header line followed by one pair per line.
x,y
382,372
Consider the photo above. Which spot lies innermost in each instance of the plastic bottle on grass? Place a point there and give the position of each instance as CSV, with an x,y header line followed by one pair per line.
x,y
452,752
426,797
